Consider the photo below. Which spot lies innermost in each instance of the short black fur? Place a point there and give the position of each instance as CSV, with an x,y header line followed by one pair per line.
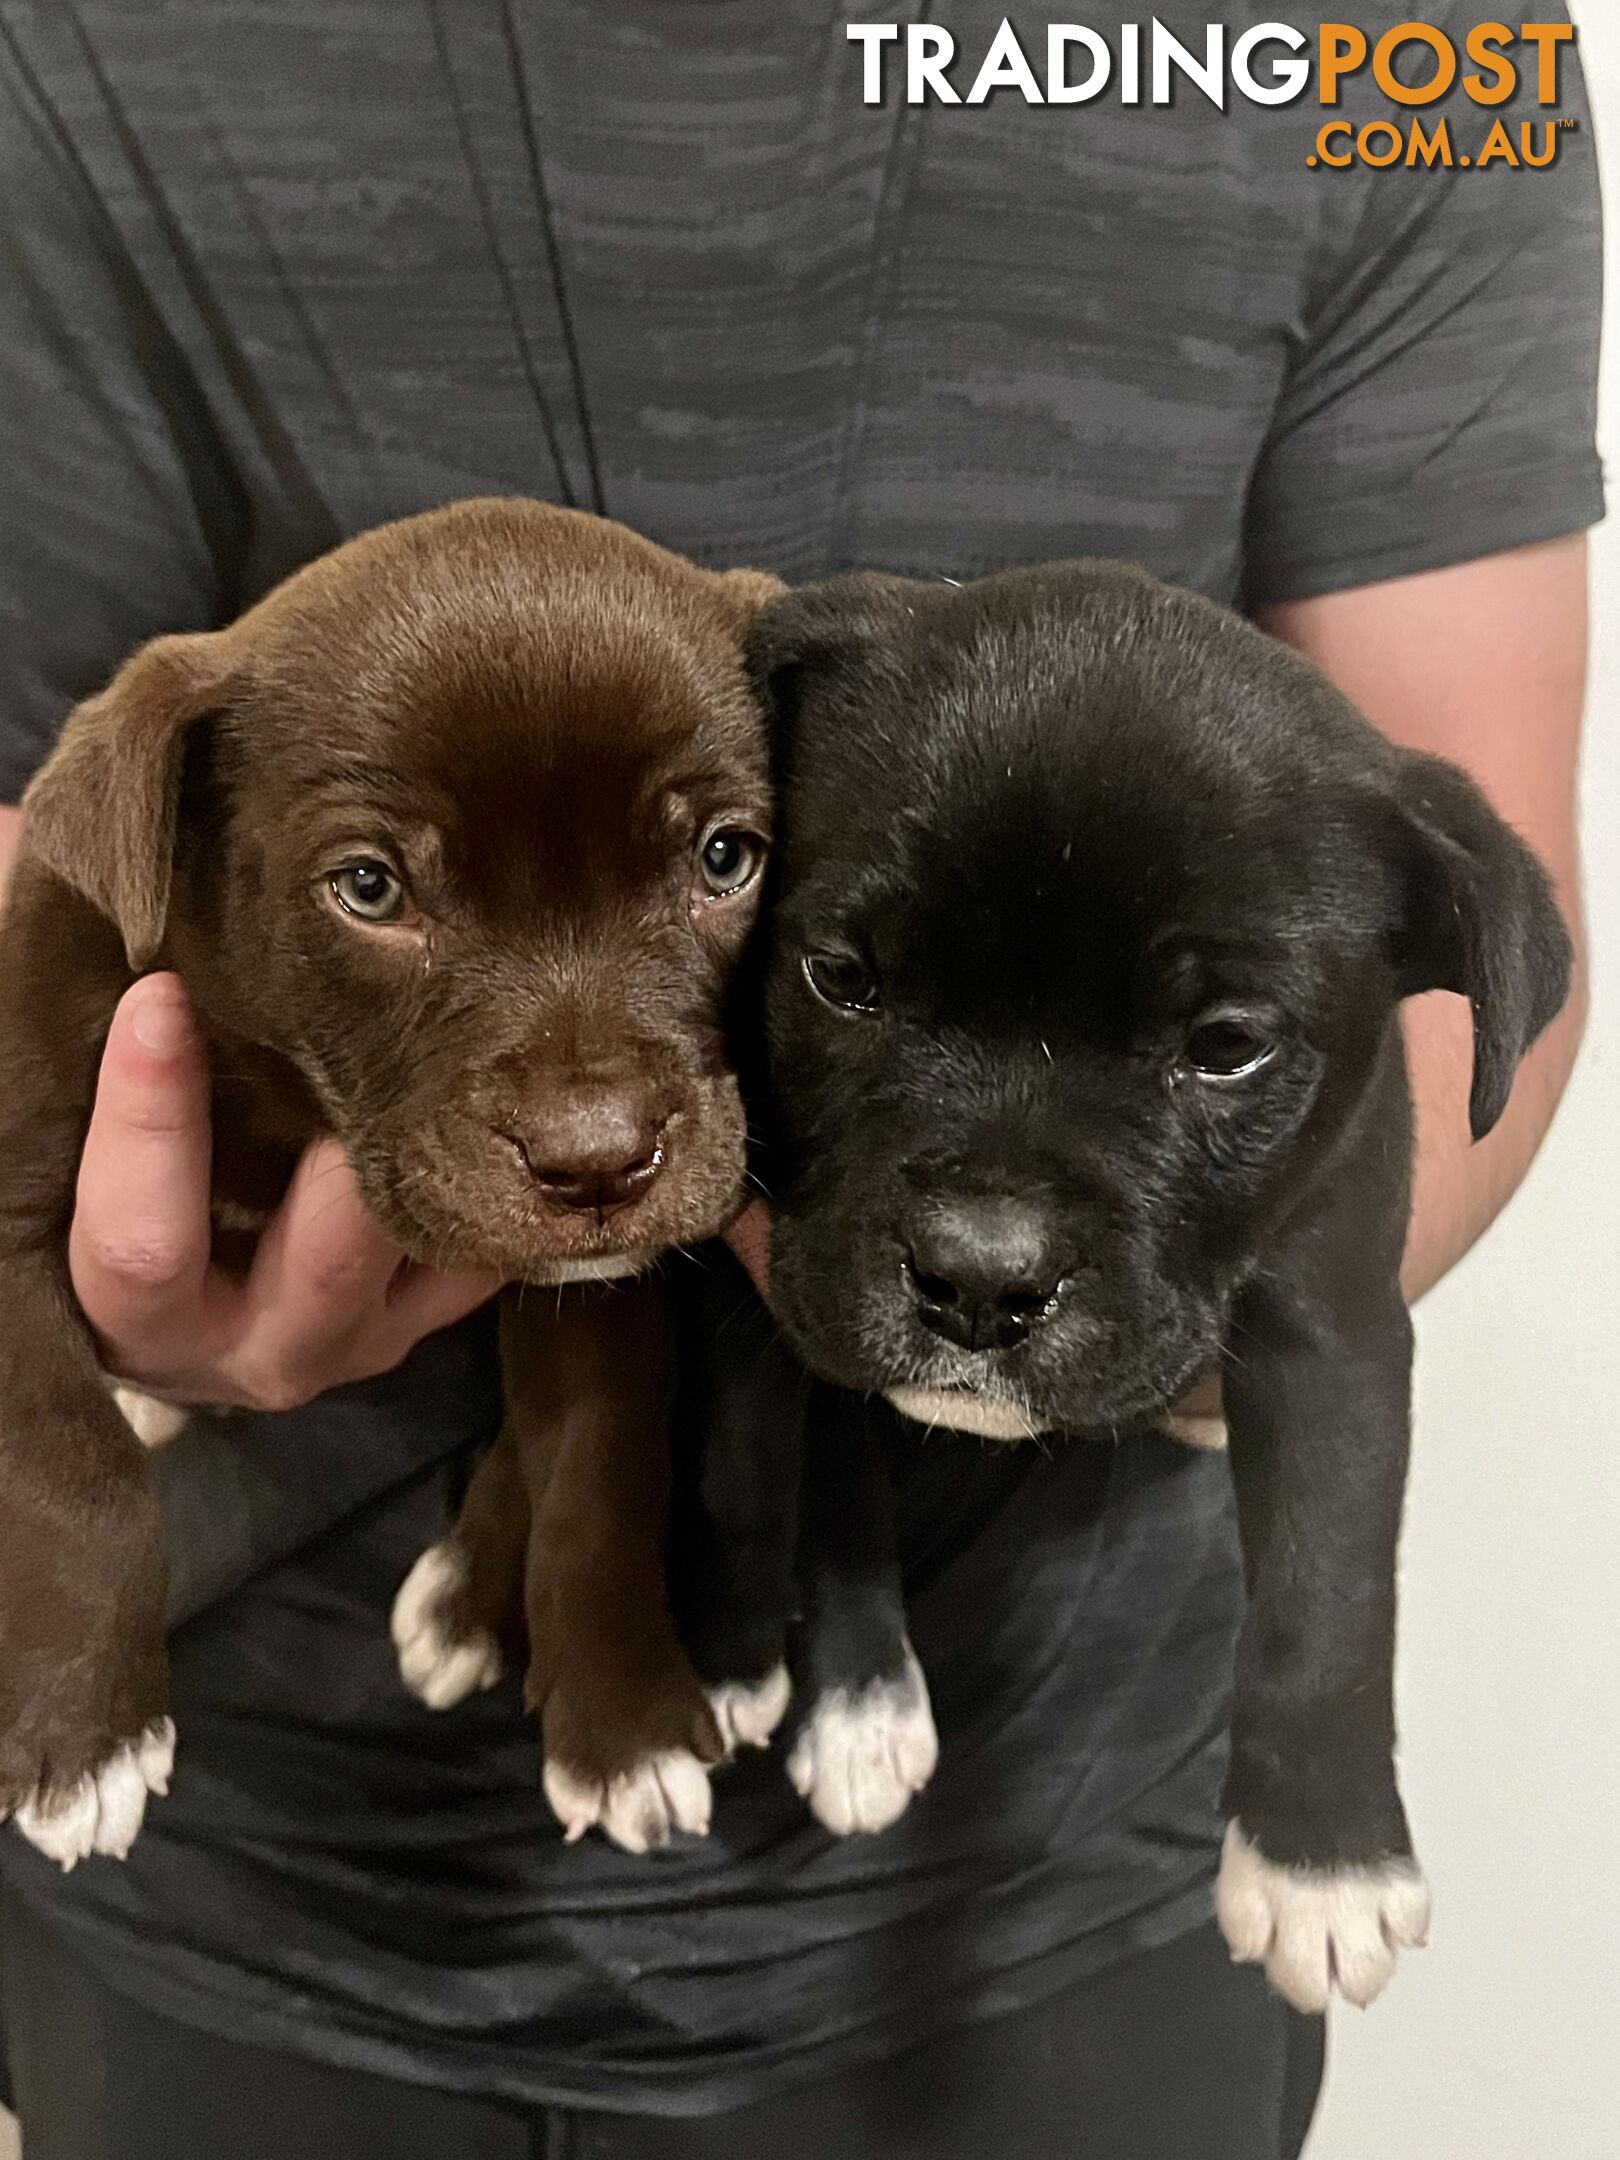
x,y
1050,843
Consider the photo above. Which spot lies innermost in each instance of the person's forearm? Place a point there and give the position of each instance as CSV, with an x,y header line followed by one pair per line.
x,y
10,822
1460,1188
1485,664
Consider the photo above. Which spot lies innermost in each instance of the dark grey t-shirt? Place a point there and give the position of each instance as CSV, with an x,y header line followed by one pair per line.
x,y
278,269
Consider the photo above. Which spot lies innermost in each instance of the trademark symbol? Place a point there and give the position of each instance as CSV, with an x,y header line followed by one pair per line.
x,y
1569,123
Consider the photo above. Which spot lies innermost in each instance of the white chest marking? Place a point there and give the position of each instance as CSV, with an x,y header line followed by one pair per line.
x,y
605,1267
992,1417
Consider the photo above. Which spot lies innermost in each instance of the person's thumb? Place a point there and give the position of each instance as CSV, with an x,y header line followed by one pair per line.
x,y
140,1239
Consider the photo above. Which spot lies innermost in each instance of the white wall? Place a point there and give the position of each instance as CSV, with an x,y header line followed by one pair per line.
x,y
1502,2040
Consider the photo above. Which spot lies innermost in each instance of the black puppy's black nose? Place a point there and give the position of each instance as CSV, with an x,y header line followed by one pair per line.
x,y
983,1273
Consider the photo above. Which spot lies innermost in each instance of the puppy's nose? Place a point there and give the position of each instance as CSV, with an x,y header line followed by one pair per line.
x,y
598,1190
593,1154
983,1273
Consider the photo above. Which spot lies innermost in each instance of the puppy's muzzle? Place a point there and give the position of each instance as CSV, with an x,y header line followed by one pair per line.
x,y
983,1273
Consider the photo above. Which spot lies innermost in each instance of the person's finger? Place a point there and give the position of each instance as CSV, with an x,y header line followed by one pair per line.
x,y
1199,1419
423,1300
750,1239
139,1242
321,1271
1203,1398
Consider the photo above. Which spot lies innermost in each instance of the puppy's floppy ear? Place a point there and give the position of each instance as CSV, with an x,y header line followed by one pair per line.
x,y
1478,917
102,811
748,591
828,625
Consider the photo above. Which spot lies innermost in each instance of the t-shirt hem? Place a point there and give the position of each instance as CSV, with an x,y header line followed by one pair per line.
x,y
488,2072
1435,530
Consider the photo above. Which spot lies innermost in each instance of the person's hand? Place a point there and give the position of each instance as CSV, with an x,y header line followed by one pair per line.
x,y
329,1297
750,1240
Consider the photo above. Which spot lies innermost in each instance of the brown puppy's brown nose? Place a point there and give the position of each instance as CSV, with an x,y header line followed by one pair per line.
x,y
593,1155
599,1191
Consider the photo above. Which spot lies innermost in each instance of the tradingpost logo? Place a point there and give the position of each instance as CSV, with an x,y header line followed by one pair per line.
x,y
1414,64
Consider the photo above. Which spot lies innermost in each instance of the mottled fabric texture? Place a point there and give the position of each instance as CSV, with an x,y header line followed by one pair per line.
x,y
278,269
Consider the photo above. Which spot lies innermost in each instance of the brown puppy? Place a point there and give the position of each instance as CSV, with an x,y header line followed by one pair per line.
x,y
454,838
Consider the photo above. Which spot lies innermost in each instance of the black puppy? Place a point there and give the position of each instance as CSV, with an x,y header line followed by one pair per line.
x,y
1096,911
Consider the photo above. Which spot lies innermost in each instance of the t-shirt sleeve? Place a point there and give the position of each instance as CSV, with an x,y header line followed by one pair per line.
x,y
121,517
1441,403
115,496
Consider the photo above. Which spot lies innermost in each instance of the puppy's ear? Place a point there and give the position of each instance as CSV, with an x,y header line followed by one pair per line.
x,y
101,812
747,592
833,625
1478,917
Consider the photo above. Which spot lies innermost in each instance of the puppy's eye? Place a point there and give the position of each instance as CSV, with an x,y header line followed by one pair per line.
x,y
369,890
1225,1047
843,979
728,860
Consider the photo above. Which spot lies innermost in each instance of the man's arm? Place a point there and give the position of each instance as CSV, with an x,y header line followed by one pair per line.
x,y
1485,664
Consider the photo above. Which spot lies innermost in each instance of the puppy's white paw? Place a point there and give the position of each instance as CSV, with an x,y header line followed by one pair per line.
x,y
749,1711
1315,1929
859,1758
153,1421
638,1811
103,1812
441,1667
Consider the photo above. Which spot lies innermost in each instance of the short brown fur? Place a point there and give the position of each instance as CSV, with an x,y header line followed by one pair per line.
x,y
536,716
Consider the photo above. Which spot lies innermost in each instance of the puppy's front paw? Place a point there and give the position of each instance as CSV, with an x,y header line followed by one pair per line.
x,y
641,1808
102,1811
443,1657
860,1756
627,1744
85,1737
1315,1929
749,1711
